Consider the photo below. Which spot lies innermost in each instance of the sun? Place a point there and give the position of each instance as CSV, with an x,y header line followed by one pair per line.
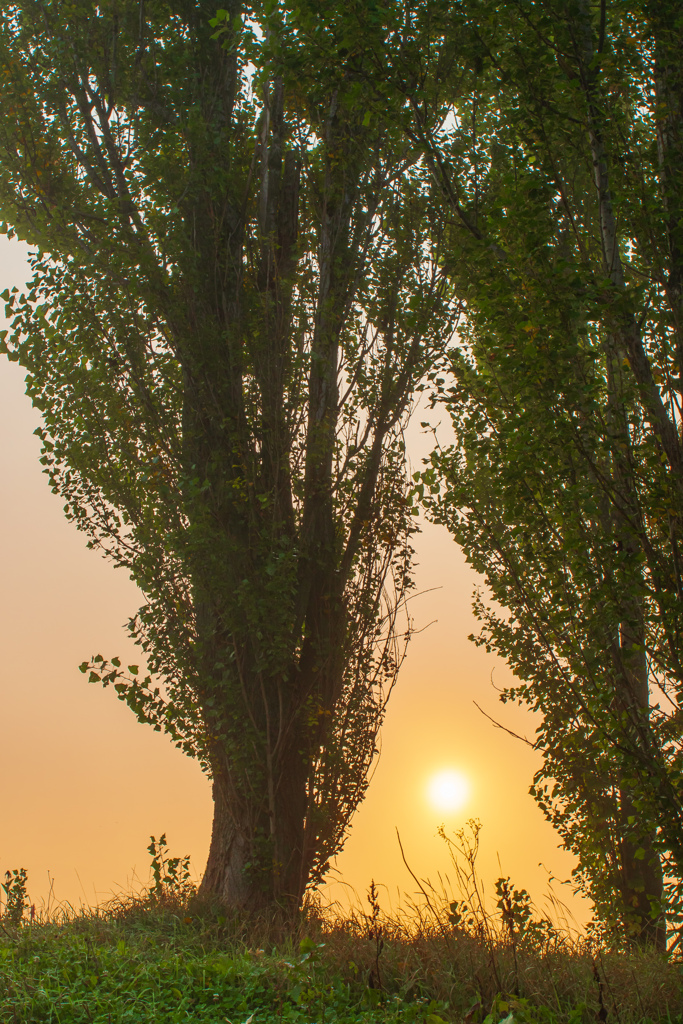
x,y
448,790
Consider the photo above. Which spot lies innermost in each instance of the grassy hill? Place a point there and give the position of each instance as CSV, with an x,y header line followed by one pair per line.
x,y
165,957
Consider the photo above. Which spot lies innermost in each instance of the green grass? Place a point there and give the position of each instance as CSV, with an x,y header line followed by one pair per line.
x,y
166,964
168,959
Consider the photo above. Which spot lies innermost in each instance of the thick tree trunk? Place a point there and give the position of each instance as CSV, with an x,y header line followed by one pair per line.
x,y
249,870
260,856
226,875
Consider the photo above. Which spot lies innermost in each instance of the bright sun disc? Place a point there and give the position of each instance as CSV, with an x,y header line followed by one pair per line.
x,y
448,790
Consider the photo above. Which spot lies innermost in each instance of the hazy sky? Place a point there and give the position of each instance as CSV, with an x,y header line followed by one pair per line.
x,y
84,785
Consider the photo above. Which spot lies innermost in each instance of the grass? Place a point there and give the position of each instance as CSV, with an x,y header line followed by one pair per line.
x,y
164,956
165,959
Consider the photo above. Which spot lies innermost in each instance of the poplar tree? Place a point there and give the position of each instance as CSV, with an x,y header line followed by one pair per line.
x,y
236,291
560,166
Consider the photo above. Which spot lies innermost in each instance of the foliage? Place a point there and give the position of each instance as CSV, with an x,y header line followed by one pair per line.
x,y
237,290
514,924
16,899
170,874
554,134
96,980
159,963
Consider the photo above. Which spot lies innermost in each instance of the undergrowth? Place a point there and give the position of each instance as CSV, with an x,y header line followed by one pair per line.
x,y
167,956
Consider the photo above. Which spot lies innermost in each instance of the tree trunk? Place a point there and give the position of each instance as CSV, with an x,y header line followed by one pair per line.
x,y
258,857
226,875
641,880
642,883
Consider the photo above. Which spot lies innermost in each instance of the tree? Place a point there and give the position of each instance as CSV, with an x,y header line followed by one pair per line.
x,y
539,124
232,305
560,166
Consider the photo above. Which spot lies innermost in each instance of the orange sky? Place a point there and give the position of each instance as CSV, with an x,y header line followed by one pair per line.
x,y
84,785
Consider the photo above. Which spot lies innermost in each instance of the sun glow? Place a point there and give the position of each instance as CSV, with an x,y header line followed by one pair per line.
x,y
448,790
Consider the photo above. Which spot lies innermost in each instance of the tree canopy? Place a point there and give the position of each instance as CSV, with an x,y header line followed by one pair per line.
x,y
561,166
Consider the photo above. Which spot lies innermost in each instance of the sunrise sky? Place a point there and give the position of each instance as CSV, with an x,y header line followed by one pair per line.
x,y
83,785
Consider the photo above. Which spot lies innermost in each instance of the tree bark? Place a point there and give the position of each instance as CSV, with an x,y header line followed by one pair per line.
x,y
225,875
258,857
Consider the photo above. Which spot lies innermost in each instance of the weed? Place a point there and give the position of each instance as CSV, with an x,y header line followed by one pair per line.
x,y
375,933
171,874
16,899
